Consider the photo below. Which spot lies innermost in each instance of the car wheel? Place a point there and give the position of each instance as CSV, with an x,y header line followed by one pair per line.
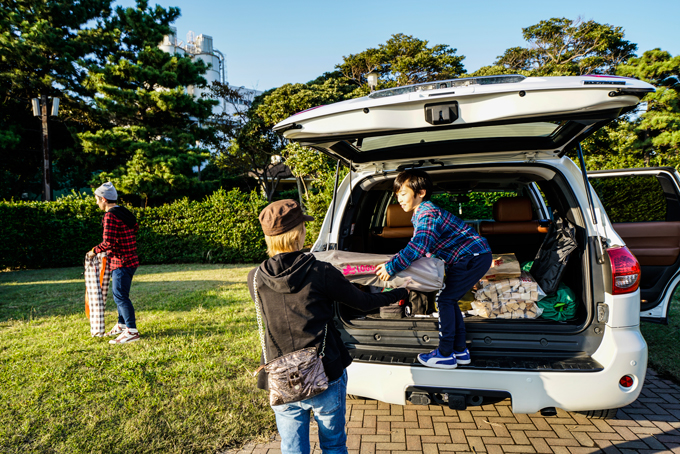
x,y
599,414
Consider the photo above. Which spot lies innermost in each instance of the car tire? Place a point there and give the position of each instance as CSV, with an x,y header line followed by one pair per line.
x,y
600,414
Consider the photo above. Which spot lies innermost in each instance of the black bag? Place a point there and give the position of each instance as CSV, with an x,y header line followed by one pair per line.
x,y
418,304
394,310
551,259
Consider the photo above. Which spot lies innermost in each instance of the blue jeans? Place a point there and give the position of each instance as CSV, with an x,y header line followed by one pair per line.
x,y
293,419
121,279
460,277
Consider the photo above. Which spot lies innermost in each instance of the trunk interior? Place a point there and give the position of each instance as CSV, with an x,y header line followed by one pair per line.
x,y
373,224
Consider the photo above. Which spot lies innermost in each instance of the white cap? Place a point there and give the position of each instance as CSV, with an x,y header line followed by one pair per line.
x,y
107,191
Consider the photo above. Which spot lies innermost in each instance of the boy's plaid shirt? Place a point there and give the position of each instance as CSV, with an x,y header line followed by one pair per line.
x,y
120,242
438,232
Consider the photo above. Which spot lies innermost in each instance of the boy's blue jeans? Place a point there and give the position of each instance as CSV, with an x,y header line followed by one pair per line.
x,y
121,280
292,421
460,277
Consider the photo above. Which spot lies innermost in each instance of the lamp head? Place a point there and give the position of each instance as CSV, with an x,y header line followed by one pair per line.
x,y
35,102
372,79
55,107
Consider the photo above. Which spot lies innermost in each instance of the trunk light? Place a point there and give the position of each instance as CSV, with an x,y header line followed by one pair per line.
x,y
625,270
626,381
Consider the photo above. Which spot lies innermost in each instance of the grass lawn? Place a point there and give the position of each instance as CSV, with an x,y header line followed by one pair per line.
x,y
663,341
184,387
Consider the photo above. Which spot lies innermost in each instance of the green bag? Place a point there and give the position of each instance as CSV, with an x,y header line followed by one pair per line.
x,y
559,306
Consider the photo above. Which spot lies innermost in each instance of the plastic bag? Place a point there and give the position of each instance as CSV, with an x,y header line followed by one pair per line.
x,y
503,266
523,288
552,257
426,273
513,298
511,309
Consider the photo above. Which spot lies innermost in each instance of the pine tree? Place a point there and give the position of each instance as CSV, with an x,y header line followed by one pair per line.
x,y
154,132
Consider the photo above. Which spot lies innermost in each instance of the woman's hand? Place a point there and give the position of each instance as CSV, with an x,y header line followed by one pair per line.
x,y
406,283
381,272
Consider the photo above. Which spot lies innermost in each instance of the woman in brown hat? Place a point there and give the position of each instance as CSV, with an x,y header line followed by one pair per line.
x,y
297,292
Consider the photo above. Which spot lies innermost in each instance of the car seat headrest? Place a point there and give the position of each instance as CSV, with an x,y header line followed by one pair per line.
x,y
512,209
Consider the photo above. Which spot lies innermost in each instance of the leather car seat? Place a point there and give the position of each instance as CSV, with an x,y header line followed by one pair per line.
x,y
397,223
512,215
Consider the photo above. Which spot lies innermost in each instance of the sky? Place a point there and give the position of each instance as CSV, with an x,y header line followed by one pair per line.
x,y
270,43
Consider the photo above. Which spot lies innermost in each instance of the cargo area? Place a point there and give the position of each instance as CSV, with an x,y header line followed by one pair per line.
x,y
512,207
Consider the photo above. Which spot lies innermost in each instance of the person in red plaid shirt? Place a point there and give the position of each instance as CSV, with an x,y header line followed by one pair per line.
x,y
120,243
467,255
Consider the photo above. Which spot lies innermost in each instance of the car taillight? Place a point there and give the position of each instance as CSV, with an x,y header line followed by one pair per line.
x,y
625,270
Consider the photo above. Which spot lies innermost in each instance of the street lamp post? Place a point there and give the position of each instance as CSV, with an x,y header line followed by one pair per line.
x,y
40,110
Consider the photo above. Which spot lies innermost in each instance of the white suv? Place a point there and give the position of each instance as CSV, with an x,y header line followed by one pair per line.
x,y
505,138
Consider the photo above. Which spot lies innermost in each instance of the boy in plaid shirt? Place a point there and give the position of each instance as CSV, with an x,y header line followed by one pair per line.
x,y
467,256
120,243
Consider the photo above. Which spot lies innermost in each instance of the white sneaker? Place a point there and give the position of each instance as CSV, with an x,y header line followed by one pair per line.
x,y
116,330
125,337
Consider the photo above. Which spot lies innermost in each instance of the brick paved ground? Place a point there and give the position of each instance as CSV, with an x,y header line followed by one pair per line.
x,y
650,425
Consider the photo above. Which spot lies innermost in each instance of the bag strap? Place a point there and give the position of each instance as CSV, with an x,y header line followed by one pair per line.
x,y
260,328
260,322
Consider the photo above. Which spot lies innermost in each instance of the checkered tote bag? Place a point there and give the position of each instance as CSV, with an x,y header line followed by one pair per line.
x,y
97,277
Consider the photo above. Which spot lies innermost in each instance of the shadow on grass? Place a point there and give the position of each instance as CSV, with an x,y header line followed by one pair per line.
x,y
70,273
37,294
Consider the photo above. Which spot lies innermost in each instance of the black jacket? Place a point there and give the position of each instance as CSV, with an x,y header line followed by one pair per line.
x,y
297,294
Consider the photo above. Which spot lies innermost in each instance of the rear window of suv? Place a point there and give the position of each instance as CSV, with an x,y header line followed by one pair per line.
x,y
473,206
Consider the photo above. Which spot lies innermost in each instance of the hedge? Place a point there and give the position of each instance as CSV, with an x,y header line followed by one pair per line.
x,y
223,228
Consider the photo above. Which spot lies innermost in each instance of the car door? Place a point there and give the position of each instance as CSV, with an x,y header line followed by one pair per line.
x,y
644,208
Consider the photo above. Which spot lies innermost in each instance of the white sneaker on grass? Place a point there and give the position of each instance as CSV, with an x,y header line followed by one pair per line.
x,y
125,337
116,330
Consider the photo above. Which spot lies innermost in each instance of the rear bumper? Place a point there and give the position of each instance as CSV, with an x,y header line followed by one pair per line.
x,y
623,351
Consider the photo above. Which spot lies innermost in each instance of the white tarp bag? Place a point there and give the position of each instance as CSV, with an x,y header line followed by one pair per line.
x,y
97,278
426,273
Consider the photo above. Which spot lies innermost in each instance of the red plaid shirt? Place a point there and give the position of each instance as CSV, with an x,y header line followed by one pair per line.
x,y
120,242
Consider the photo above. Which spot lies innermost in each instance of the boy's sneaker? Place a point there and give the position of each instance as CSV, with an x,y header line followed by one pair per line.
x,y
116,330
463,357
125,337
436,359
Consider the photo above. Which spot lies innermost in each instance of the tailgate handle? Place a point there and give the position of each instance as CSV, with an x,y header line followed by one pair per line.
x,y
442,113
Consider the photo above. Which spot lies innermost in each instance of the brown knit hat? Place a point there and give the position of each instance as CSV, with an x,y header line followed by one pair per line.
x,y
281,216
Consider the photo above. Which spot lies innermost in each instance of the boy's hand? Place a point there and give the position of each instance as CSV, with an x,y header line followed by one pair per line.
x,y
381,272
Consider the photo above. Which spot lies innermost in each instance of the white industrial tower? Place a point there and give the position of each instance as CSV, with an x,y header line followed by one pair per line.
x,y
199,48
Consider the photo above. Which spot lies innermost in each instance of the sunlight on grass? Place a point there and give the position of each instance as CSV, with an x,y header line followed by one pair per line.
x,y
184,387
662,340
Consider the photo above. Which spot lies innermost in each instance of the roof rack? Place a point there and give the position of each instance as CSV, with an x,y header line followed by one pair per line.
x,y
451,83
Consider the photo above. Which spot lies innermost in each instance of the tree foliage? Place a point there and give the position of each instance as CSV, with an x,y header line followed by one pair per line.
x,y
152,135
244,143
45,48
651,135
124,109
565,47
402,60
657,130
